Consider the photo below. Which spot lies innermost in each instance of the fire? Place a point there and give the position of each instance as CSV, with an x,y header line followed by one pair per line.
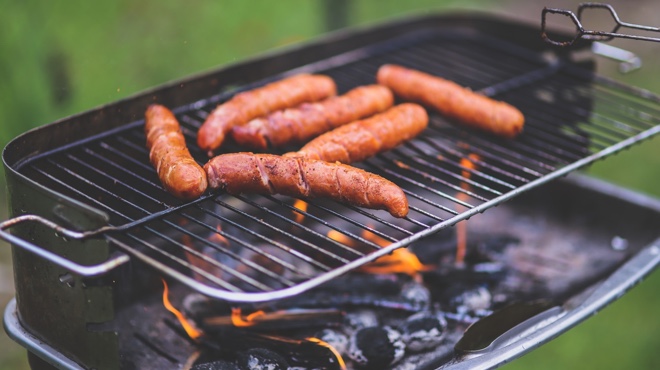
x,y
339,237
332,349
400,261
461,227
239,321
218,237
301,205
188,326
370,236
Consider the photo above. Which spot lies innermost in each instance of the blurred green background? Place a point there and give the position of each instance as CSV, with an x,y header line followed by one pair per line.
x,y
62,58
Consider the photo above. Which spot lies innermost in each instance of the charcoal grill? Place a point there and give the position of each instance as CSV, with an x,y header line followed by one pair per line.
x,y
86,200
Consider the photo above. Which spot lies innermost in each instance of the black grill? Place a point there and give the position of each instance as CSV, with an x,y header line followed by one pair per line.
x,y
253,248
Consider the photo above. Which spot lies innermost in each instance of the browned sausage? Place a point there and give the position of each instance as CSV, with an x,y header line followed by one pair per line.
x,y
177,170
362,139
297,125
298,177
453,100
251,104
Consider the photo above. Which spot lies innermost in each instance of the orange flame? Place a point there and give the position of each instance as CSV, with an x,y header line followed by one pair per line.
x,y
332,349
218,237
400,261
461,227
374,238
188,326
238,321
301,205
341,238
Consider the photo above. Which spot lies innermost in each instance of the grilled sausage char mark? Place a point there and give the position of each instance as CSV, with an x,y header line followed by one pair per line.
x,y
251,104
453,100
362,139
304,178
177,170
299,124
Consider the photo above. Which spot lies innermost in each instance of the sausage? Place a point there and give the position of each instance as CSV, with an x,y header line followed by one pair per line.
x,y
297,125
362,139
251,104
452,100
299,177
178,171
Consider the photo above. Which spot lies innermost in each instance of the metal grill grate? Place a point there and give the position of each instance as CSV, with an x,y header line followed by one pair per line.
x,y
254,248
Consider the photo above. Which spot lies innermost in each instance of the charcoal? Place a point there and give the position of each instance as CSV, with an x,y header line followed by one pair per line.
x,y
216,365
261,359
423,331
376,347
336,339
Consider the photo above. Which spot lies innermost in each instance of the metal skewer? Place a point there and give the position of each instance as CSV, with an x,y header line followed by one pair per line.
x,y
595,35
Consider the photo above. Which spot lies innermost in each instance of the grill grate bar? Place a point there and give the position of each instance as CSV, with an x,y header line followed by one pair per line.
x,y
439,146
276,230
190,267
264,239
243,261
69,187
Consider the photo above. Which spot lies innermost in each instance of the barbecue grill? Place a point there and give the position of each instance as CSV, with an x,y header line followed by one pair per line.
x,y
87,202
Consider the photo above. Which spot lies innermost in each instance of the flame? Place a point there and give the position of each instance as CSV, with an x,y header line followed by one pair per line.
x,y
188,326
372,237
301,205
341,238
218,237
332,349
400,261
238,321
461,227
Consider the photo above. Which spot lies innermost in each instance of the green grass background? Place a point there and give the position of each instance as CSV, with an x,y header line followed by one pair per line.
x,y
59,58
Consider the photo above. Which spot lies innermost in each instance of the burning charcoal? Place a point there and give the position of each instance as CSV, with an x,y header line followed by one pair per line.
x,y
216,365
417,294
376,347
474,300
338,341
423,331
361,319
261,359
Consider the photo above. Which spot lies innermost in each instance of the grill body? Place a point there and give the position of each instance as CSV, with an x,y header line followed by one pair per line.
x,y
80,307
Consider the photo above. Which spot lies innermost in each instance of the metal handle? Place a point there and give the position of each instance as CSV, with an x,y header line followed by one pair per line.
x,y
594,35
87,271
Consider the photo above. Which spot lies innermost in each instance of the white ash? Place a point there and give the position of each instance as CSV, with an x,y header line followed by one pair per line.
x,y
478,299
262,359
423,331
418,294
338,340
360,319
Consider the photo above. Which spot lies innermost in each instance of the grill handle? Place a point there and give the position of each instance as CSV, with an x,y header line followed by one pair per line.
x,y
82,270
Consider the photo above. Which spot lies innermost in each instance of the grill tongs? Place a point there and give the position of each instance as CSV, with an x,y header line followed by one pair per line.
x,y
582,33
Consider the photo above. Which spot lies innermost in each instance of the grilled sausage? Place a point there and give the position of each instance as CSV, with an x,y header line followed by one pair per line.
x,y
298,177
178,171
251,104
297,125
362,139
453,100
